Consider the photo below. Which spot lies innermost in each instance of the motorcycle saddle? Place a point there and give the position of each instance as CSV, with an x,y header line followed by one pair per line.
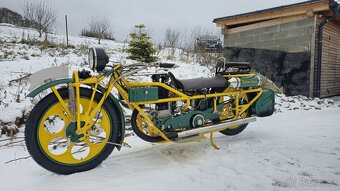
x,y
199,83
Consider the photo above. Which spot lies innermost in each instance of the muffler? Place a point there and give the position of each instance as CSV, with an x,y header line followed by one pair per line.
x,y
208,129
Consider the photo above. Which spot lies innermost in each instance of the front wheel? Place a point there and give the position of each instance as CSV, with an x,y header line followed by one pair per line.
x,y
53,142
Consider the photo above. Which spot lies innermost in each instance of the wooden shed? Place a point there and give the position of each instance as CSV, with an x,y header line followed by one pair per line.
x,y
283,44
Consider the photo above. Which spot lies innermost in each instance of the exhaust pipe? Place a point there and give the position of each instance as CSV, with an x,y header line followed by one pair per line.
x,y
208,129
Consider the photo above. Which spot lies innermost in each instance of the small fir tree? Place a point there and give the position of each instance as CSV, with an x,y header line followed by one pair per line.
x,y
140,47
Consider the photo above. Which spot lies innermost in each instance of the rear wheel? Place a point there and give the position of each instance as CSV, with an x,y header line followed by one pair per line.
x,y
141,128
229,112
53,142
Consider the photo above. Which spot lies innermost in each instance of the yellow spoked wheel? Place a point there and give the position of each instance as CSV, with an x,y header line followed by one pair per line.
x,y
229,112
142,130
55,144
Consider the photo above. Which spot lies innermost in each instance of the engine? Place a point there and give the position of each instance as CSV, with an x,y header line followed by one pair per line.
x,y
169,116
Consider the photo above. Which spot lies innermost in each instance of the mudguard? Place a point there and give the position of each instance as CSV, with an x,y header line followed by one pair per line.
x,y
111,98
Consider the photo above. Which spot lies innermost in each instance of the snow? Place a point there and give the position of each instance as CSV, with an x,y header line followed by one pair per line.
x,y
298,148
295,150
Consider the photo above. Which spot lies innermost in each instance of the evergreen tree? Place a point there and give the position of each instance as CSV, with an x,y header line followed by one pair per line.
x,y
140,47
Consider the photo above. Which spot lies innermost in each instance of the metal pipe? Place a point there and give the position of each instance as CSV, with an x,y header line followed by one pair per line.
x,y
336,11
211,128
66,30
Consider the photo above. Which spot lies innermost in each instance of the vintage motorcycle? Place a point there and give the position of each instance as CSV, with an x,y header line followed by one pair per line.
x,y
80,122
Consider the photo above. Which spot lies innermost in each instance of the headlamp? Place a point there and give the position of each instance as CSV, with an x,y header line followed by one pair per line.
x,y
98,59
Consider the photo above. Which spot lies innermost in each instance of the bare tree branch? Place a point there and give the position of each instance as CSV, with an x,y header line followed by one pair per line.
x,y
100,28
171,38
22,158
11,143
41,14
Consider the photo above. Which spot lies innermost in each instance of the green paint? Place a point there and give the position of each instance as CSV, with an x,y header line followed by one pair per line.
x,y
264,106
120,113
108,72
141,94
184,121
71,132
43,87
253,81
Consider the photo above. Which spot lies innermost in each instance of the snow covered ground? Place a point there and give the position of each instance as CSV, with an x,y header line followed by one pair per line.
x,y
298,148
294,150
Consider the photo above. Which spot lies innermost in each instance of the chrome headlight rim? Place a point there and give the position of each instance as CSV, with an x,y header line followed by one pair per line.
x,y
92,59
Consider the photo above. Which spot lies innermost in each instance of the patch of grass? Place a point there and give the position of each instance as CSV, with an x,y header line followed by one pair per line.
x,y
81,50
26,57
8,54
35,55
44,45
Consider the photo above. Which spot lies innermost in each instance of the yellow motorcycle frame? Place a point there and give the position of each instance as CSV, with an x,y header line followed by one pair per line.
x,y
118,81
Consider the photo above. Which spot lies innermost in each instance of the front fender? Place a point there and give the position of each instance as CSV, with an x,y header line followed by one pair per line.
x,y
112,99
43,87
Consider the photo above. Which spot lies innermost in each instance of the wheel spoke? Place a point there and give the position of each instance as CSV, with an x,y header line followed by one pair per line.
x,y
141,127
141,123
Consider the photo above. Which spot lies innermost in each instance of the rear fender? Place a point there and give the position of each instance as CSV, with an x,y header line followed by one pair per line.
x,y
102,90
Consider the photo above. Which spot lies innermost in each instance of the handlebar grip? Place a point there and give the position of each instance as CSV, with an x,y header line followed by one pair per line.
x,y
84,74
166,65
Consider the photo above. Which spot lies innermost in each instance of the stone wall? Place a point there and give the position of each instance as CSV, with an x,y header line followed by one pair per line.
x,y
281,52
287,70
288,37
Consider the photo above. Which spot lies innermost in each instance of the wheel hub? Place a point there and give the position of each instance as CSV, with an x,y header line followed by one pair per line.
x,y
71,133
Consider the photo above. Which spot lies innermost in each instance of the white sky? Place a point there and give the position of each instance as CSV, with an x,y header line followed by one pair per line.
x,y
157,15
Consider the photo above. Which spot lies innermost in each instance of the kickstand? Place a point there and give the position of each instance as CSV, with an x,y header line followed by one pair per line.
x,y
124,144
212,141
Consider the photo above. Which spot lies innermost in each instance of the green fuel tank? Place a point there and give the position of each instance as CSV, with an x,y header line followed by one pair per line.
x,y
245,82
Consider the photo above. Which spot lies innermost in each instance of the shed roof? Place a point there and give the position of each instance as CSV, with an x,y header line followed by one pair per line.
x,y
306,8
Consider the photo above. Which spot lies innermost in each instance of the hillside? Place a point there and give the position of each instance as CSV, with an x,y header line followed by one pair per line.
x,y
22,53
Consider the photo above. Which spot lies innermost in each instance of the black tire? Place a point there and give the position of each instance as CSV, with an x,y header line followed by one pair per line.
x,y
139,133
33,144
232,132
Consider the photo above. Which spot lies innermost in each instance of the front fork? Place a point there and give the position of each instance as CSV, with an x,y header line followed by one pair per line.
x,y
80,123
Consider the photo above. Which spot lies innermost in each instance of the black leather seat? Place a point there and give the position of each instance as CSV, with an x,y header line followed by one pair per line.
x,y
199,83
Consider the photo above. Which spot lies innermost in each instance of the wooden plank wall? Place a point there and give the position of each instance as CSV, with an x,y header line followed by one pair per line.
x,y
330,65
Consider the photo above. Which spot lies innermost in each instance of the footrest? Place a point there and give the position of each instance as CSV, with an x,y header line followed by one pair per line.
x,y
194,138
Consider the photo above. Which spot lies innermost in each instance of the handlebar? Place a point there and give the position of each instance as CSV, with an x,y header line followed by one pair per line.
x,y
155,64
140,67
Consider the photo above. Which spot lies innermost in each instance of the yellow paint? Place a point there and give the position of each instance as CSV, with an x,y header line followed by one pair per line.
x,y
45,137
215,106
238,75
213,144
92,98
67,110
